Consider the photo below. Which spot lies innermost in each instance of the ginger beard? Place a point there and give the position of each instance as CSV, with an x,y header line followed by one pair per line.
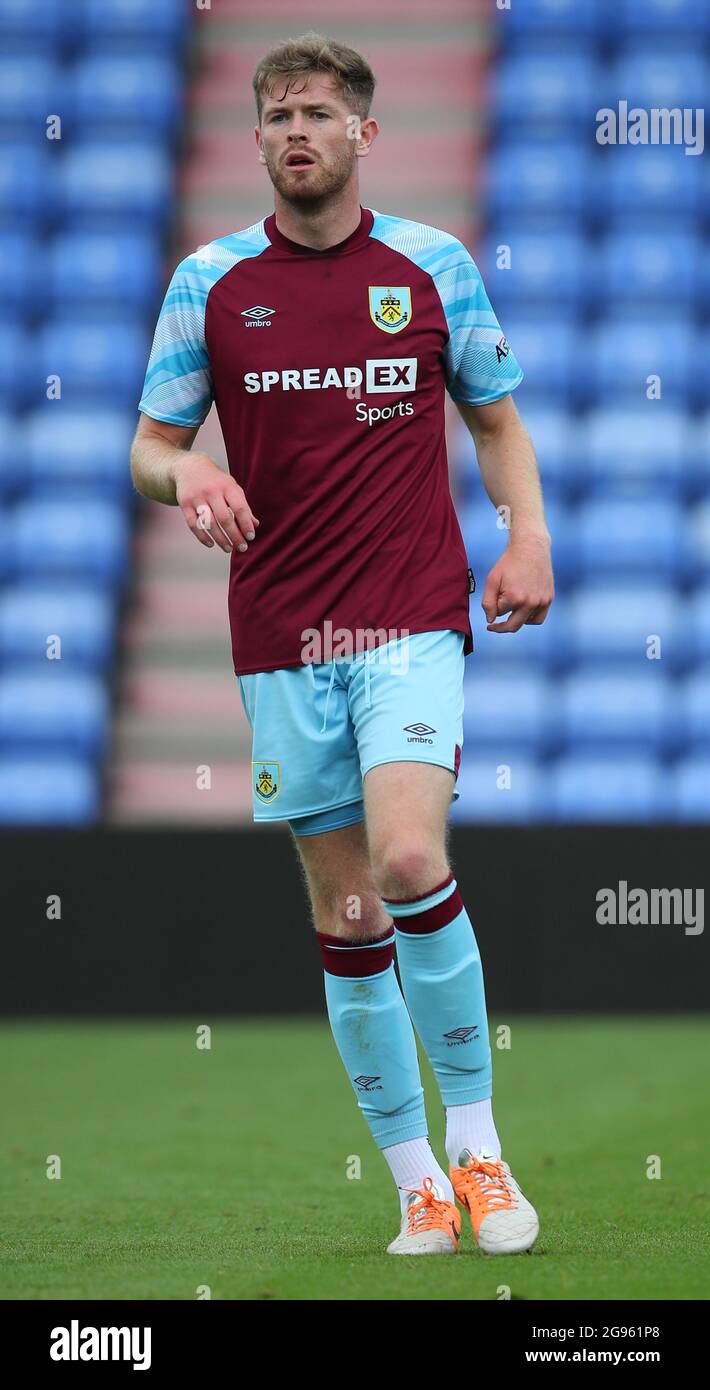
x,y
315,184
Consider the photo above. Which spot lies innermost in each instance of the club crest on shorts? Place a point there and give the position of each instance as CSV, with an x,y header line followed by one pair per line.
x,y
390,308
267,780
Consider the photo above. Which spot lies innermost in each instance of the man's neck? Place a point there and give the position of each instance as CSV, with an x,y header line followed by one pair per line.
x,y
321,227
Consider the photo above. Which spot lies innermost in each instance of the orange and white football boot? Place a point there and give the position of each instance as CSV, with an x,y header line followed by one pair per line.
x,y
504,1221
430,1224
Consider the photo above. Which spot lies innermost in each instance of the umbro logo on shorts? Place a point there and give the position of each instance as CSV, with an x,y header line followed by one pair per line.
x,y
420,733
367,1083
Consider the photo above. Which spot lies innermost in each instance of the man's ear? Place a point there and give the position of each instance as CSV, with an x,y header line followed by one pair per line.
x,y
256,137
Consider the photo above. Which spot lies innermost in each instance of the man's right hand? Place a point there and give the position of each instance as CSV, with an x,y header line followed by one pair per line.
x,y
213,504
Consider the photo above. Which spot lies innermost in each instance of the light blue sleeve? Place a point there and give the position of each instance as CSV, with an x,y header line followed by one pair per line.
x,y
480,365
178,383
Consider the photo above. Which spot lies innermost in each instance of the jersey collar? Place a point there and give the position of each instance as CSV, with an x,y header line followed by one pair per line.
x,y
356,238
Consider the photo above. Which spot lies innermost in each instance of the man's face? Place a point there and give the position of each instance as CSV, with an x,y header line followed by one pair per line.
x,y
308,138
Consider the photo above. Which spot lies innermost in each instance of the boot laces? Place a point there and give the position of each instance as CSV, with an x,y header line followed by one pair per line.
x,y
426,1214
488,1183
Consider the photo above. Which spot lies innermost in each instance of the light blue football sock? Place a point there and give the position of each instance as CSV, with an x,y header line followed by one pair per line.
x,y
374,1036
442,980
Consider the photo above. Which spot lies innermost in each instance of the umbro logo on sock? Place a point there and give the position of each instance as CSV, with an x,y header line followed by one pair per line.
x,y
367,1083
420,733
460,1036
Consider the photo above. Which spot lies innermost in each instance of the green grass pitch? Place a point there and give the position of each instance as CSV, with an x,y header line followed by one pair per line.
x,y
228,1167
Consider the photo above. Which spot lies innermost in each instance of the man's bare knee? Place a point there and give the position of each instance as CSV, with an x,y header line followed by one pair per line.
x,y
407,864
343,897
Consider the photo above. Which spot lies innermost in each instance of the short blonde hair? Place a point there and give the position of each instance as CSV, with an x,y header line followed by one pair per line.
x,y
311,53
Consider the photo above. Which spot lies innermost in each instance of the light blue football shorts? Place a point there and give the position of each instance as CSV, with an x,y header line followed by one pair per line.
x,y
317,729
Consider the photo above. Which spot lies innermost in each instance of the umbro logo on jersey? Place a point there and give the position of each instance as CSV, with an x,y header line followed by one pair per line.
x,y
460,1036
257,316
367,1083
420,733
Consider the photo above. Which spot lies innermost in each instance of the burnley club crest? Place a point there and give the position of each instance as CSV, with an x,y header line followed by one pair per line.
x,y
390,308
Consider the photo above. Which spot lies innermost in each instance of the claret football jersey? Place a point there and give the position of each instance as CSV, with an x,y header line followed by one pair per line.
x,y
328,370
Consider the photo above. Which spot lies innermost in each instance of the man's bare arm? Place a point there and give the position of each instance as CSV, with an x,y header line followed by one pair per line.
x,y
156,450
165,469
521,582
507,462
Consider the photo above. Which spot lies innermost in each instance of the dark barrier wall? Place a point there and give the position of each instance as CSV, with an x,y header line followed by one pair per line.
x,y
177,921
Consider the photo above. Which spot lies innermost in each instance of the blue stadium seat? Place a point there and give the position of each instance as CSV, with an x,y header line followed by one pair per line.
x,y
635,709
618,536
648,447
26,25
698,620
700,459
84,450
115,269
495,790
163,22
486,539
17,382
506,710
549,270
689,789
81,618
22,290
128,92
613,788
703,279
663,18
31,88
28,186
573,19
73,541
694,709
638,266
485,535
624,353
529,178
52,790
6,560
114,186
13,468
613,623
657,77
554,436
649,186
550,352
536,647
61,710
700,392
549,89
105,357
700,538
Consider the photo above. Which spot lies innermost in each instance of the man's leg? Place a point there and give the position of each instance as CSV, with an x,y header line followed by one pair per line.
x,y
371,1026
406,808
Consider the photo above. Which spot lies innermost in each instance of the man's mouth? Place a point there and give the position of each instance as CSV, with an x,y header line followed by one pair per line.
x,y
297,161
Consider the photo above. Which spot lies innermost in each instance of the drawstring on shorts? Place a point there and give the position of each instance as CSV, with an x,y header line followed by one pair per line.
x,y
368,696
